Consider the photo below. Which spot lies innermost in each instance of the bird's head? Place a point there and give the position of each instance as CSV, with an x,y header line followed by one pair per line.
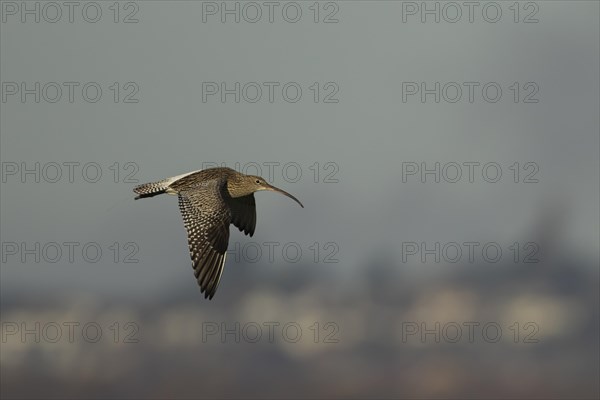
x,y
249,184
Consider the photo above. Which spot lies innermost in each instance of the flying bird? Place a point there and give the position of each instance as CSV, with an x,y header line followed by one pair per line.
x,y
210,200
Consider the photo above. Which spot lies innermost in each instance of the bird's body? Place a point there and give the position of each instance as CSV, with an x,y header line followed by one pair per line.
x,y
210,200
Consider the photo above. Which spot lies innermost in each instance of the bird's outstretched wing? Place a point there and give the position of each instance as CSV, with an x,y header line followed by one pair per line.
x,y
208,238
243,213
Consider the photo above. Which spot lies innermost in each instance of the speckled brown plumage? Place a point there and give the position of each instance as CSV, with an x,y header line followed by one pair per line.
x,y
210,200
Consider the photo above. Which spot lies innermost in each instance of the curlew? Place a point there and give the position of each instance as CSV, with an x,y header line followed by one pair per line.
x,y
210,200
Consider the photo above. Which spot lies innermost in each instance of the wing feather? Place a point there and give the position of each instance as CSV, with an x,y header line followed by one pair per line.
x,y
208,237
243,213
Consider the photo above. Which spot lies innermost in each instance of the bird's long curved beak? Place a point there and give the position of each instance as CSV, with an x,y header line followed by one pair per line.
x,y
274,189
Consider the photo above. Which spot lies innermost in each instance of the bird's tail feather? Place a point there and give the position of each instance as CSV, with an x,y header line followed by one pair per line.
x,y
151,189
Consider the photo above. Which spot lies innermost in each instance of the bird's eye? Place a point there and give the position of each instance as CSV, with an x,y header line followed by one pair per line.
x,y
257,181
